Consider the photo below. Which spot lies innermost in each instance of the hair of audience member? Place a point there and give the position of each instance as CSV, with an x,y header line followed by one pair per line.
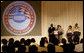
x,y
51,48
22,40
16,43
42,42
81,41
21,49
11,41
28,41
33,40
63,40
4,41
33,48
46,40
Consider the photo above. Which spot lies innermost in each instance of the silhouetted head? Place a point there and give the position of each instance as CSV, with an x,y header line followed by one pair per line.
x,y
33,40
51,48
63,40
28,41
51,25
45,38
22,40
42,42
16,43
33,48
4,41
11,41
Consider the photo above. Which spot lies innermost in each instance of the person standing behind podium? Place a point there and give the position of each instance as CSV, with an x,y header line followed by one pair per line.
x,y
69,34
76,32
51,33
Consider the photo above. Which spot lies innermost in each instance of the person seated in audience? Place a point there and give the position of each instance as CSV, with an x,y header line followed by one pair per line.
x,y
77,33
60,32
51,48
33,49
42,42
28,41
4,46
16,45
33,42
79,47
56,40
67,47
22,47
11,45
69,33
46,41
51,33
22,41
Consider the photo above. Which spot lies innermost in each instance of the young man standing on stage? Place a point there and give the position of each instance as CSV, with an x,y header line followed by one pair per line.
x,y
51,33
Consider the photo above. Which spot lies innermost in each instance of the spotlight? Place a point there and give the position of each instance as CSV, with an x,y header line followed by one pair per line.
x,y
1,1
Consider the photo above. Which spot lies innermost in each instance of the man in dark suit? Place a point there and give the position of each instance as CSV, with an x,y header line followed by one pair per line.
x,y
51,33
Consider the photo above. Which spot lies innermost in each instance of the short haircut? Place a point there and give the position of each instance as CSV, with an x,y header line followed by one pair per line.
x,y
33,40
4,41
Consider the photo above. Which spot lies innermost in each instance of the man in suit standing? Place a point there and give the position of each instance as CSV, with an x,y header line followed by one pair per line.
x,y
51,33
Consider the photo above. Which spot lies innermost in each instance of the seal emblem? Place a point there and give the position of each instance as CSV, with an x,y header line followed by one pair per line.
x,y
19,18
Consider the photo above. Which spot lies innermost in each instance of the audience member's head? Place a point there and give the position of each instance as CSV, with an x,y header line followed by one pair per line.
x,y
33,40
16,43
42,42
33,48
4,41
51,48
22,40
63,40
11,41
46,40
21,49
28,41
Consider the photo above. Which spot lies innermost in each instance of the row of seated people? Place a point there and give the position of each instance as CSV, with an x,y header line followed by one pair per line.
x,y
30,45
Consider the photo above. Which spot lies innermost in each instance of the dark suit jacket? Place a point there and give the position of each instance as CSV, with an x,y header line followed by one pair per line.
x,y
51,29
